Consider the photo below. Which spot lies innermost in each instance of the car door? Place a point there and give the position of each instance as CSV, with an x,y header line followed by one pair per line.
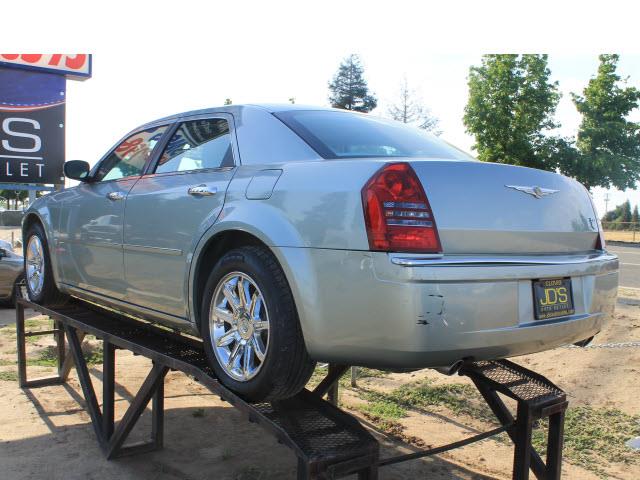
x,y
169,209
91,227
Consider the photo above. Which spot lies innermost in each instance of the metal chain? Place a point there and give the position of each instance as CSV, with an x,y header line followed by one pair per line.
x,y
609,345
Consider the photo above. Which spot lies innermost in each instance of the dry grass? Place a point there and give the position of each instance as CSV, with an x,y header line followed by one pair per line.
x,y
613,236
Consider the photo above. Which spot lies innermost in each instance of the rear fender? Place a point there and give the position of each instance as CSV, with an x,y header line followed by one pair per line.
x,y
256,218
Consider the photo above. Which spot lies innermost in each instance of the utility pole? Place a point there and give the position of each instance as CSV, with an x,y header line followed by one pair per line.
x,y
606,202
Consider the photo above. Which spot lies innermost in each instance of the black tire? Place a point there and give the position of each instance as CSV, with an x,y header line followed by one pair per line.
x,y
286,367
49,295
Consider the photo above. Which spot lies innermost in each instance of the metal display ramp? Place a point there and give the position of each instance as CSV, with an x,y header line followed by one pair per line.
x,y
328,442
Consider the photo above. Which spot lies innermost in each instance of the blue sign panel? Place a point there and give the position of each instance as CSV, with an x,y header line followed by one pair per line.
x,y
32,109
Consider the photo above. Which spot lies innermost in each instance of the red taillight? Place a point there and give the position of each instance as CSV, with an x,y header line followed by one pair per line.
x,y
397,213
600,243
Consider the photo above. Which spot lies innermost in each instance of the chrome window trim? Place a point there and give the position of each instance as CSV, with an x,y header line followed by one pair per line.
x,y
235,151
186,172
129,178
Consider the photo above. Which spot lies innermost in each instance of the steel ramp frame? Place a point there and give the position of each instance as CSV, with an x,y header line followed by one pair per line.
x,y
327,442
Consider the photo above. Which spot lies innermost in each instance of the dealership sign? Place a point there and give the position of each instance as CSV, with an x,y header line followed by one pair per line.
x,y
31,127
72,65
32,114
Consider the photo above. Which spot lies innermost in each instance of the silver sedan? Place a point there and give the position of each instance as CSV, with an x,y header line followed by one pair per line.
x,y
286,235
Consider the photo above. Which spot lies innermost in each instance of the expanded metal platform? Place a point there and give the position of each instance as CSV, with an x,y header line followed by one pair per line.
x,y
327,442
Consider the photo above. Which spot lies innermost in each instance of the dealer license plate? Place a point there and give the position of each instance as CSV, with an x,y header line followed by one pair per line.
x,y
552,298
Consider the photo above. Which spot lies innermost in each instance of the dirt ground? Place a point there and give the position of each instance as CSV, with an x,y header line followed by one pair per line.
x,y
46,434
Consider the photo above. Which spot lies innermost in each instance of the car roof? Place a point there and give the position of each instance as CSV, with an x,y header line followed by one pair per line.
x,y
231,109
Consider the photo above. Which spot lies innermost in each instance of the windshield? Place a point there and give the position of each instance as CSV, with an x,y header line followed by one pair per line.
x,y
335,134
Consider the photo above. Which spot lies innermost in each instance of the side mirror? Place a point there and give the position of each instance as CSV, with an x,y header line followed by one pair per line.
x,y
3,253
77,170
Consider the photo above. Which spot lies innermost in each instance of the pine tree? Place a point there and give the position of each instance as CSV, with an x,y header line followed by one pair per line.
x,y
635,217
626,212
616,214
348,89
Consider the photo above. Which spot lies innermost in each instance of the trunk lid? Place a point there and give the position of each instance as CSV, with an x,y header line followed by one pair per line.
x,y
476,211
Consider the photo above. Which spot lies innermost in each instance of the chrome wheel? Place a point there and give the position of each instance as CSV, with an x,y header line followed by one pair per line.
x,y
35,265
239,326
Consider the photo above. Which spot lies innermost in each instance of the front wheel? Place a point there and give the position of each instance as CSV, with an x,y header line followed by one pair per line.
x,y
41,287
250,327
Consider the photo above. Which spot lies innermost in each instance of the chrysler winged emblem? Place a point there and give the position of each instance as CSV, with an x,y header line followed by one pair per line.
x,y
536,191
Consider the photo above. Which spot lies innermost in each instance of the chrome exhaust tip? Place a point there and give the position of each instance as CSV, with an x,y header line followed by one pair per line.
x,y
451,369
585,342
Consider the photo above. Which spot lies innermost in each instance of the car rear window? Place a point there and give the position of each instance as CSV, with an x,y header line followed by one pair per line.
x,y
335,134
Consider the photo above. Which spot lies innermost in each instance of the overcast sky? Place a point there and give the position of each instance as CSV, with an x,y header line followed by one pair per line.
x,y
160,58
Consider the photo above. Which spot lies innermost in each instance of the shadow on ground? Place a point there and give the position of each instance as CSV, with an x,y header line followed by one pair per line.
x,y
214,442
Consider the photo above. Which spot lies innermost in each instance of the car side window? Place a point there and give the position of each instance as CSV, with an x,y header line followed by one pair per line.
x,y
128,158
197,145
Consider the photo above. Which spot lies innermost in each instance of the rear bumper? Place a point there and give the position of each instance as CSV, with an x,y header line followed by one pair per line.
x,y
367,308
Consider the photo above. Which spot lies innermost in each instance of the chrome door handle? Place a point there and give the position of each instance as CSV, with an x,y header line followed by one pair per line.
x,y
115,196
202,191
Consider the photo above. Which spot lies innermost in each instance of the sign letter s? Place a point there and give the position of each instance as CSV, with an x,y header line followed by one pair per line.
x,y
6,127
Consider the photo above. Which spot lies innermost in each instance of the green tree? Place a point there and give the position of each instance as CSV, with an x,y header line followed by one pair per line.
x,y
608,143
626,212
227,101
510,112
13,196
348,89
408,108
635,217
622,213
610,216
